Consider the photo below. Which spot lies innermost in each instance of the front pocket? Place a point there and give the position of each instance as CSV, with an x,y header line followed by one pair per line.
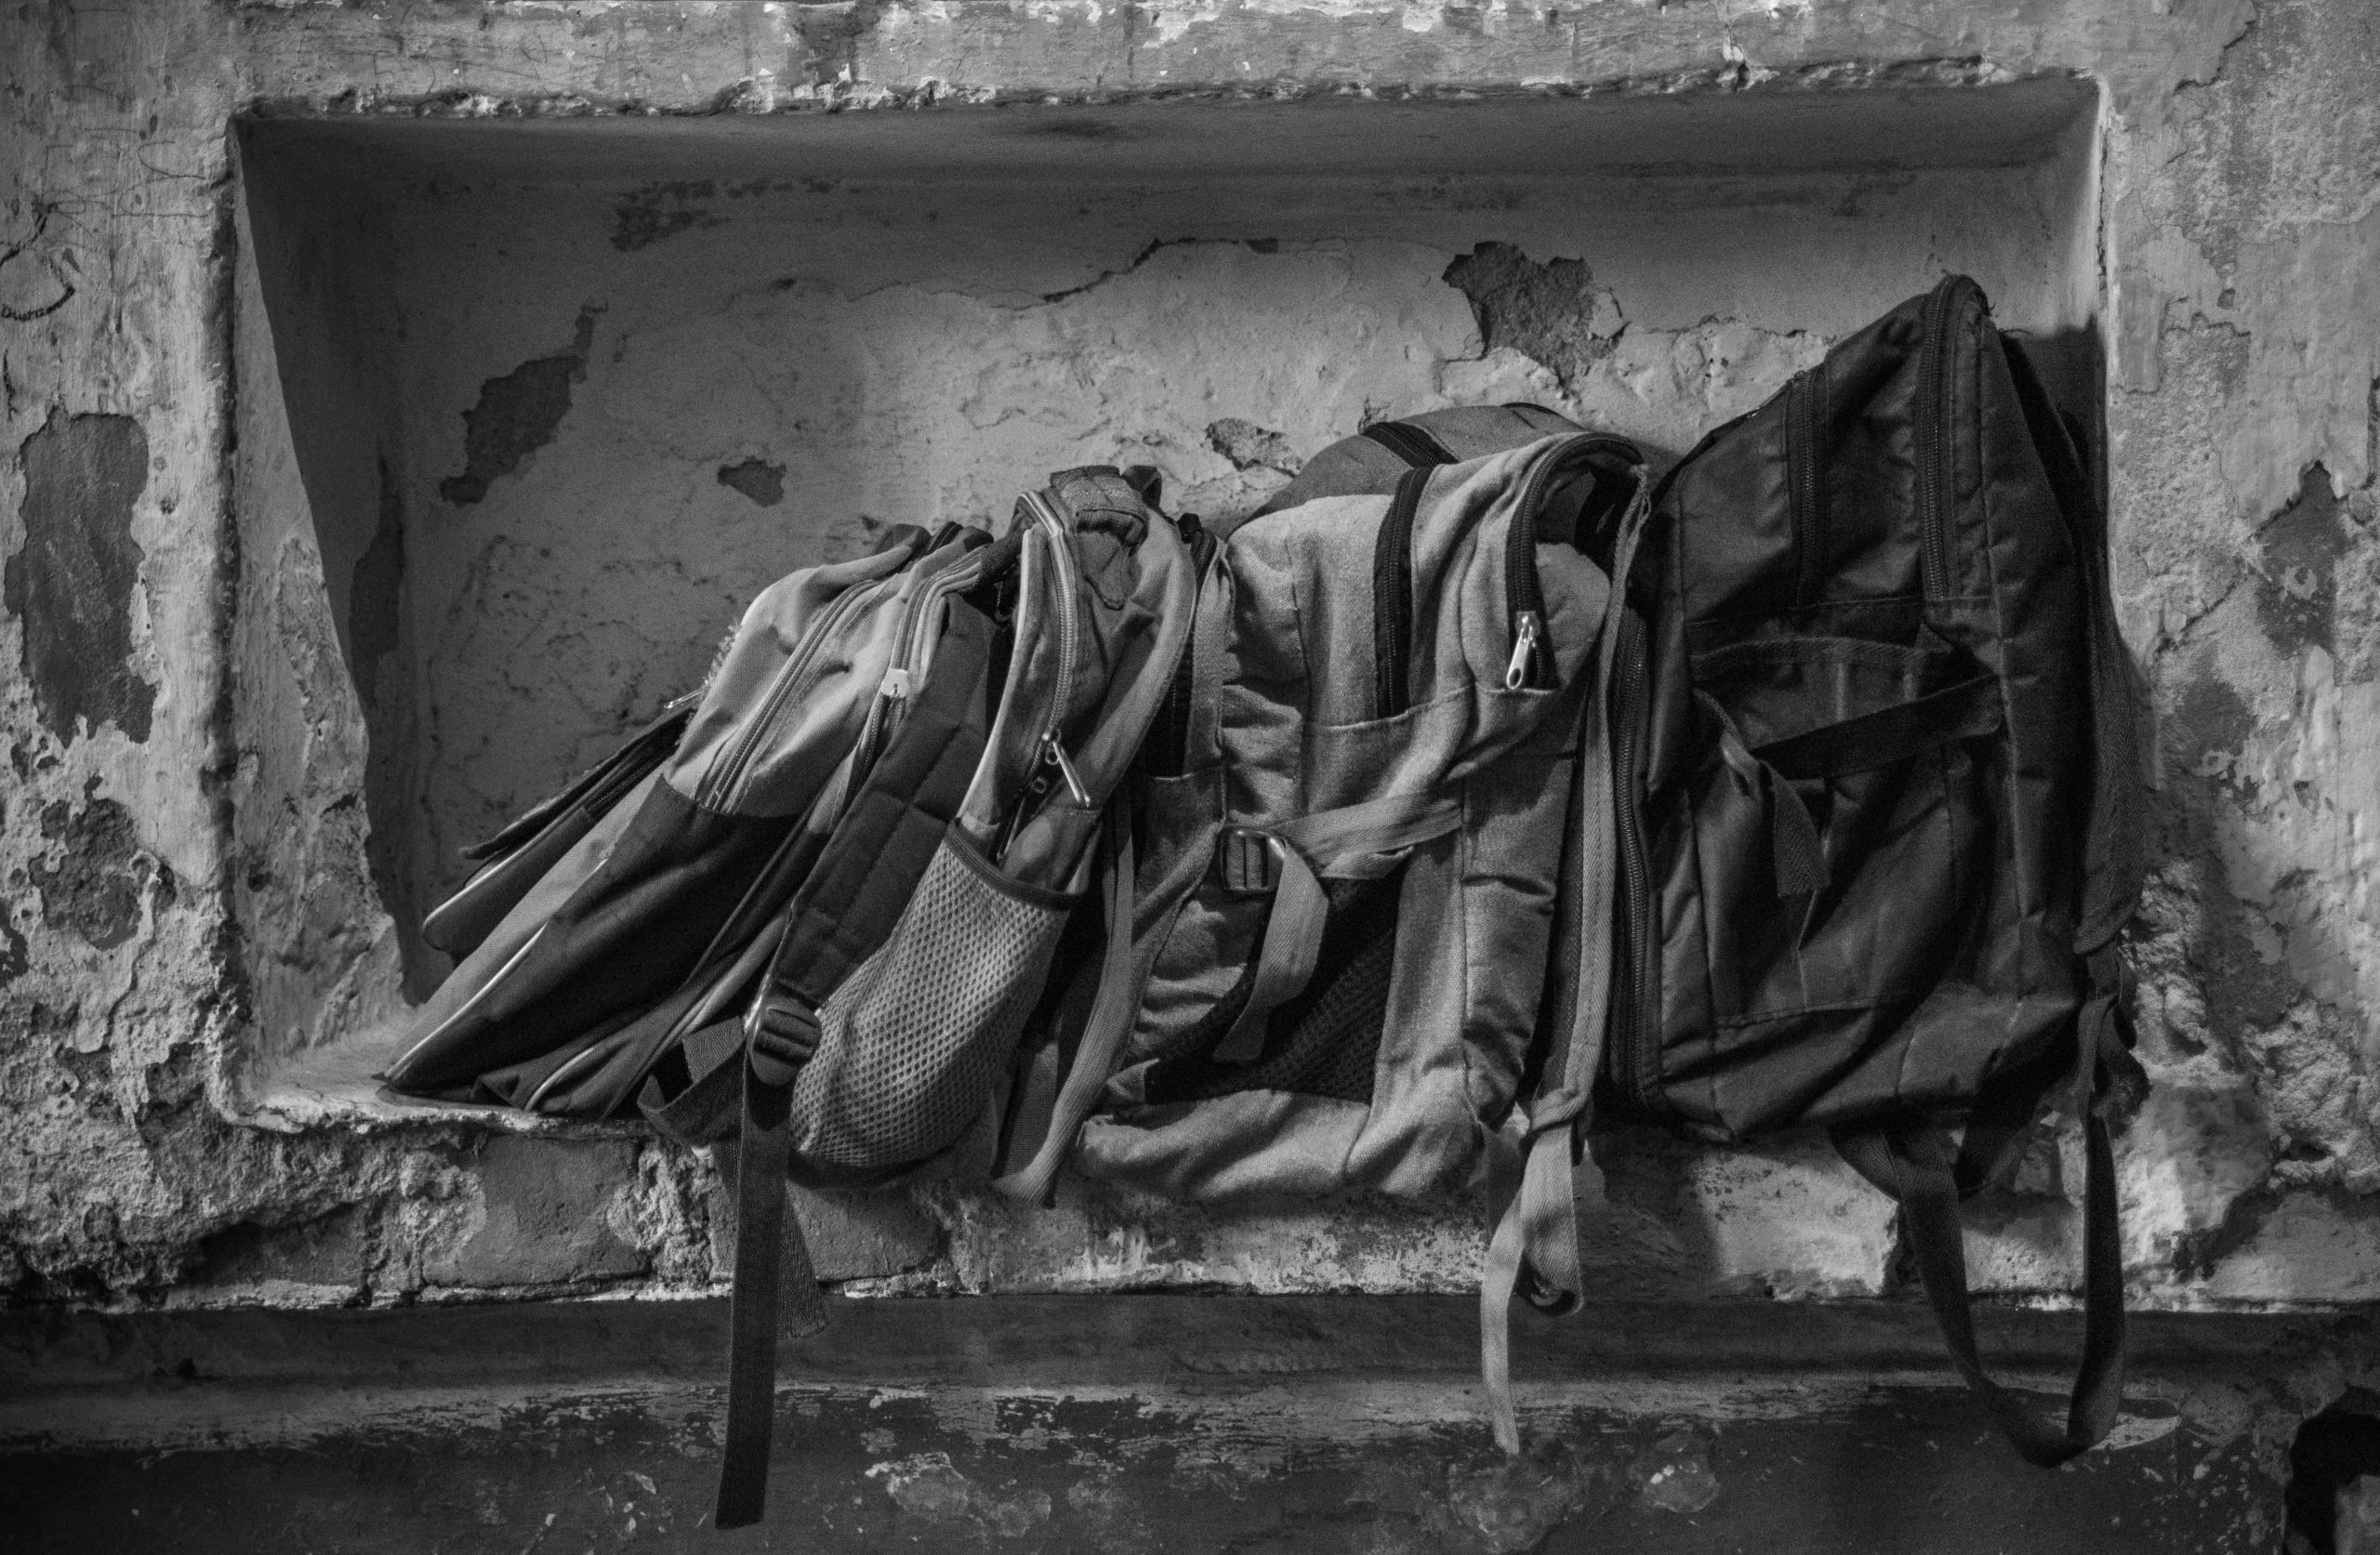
x,y
911,1045
1874,752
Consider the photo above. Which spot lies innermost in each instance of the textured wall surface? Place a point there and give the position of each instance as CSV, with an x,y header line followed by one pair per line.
x,y
218,669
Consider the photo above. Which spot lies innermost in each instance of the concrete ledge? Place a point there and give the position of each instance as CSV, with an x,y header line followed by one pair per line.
x,y
1138,1423
1201,1343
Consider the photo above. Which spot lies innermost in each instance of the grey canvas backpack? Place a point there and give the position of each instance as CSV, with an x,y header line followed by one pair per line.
x,y
1347,831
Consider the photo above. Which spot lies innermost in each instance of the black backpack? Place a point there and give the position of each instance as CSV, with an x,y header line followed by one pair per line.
x,y
1878,810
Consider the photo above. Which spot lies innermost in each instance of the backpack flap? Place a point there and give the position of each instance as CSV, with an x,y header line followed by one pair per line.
x,y
513,860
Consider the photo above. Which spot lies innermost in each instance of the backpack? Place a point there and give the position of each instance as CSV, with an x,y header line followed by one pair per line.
x,y
1346,831
803,915
1078,1038
613,897
1878,821
877,1044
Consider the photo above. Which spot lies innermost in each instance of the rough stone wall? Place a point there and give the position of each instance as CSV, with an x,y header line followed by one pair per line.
x,y
2241,259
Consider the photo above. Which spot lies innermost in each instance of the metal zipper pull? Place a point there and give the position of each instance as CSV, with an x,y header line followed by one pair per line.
x,y
1055,755
1526,632
896,683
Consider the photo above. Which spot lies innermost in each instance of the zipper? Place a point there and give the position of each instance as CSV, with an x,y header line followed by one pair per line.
x,y
909,663
1392,597
793,679
1524,601
1168,751
1633,1015
1062,572
1055,766
1933,426
1528,630
1803,409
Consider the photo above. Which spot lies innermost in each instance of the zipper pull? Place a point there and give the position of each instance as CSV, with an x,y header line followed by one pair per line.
x,y
1055,755
1527,630
896,683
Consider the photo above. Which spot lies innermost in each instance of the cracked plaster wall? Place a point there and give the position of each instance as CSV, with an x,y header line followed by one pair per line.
x,y
148,955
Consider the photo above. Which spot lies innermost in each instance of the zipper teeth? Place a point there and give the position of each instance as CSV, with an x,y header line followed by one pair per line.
x,y
1172,756
1801,456
1062,564
1635,1051
1069,629
1522,596
720,790
1392,597
1934,372
887,712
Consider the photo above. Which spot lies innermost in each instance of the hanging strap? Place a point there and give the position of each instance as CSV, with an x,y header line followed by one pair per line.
x,y
1113,1007
2115,852
1290,860
1537,1230
847,909
1917,1164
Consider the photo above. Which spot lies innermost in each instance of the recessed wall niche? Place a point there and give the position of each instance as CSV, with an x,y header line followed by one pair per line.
x,y
528,408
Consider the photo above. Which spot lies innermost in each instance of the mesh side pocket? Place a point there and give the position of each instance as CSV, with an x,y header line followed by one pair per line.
x,y
1326,1040
911,1043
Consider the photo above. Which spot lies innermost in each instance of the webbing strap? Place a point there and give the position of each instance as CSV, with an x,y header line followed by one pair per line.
x,y
1538,1230
1970,708
1797,857
1962,711
848,908
1917,1164
763,1270
1110,1021
1413,444
1354,842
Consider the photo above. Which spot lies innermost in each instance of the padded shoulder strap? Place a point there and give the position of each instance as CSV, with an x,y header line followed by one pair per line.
x,y
848,907
1536,1234
2115,854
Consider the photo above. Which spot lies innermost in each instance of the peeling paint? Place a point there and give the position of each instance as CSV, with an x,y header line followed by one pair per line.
x,y
72,585
757,478
1248,446
98,885
1552,311
517,413
661,210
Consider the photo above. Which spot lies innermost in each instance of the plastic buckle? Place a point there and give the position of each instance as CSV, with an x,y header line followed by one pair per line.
x,y
779,1037
1248,861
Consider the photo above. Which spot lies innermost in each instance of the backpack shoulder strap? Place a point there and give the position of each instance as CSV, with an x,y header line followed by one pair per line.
x,y
2115,856
848,908
1534,1247
1917,1164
